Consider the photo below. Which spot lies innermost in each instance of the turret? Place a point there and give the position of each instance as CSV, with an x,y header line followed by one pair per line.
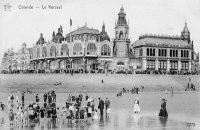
x,y
185,34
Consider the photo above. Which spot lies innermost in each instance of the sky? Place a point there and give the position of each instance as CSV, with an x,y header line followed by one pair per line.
x,y
144,16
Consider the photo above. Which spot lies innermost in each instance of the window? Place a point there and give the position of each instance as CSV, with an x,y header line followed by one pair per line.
x,y
162,65
184,65
77,49
150,64
44,52
173,53
64,50
147,51
91,49
53,51
105,50
162,52
159,52
181,53
150,52
38,52
174,65
184,53
170,53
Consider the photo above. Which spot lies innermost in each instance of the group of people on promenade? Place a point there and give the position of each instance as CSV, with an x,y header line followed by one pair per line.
x,y
73,111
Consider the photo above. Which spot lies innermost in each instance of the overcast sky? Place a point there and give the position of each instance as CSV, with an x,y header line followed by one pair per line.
x,y
144,16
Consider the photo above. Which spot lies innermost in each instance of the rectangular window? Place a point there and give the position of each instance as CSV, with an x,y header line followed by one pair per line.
x,y
174,65
162,65
170,53
150,64
147,51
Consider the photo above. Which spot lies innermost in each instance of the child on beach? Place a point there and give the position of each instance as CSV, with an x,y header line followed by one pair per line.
x,y
95,116
136,108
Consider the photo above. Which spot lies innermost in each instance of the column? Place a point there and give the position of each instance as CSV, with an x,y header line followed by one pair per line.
x,y
168,65
144,51
156,64
179,65
144,63
189,66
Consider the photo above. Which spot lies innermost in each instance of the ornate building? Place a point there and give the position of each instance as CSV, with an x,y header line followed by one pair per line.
x,y
16,62
165,53
82,49
87,49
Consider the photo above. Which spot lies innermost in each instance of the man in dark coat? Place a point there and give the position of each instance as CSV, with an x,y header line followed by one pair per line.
x,y
101,106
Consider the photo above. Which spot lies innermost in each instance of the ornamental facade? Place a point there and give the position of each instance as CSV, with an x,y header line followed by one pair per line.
x,y
89,50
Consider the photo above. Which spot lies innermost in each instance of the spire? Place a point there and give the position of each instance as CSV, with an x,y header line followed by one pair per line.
x,y
185,29
185,34
122,9
103,27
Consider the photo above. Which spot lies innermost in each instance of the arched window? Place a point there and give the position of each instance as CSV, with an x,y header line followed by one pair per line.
x,y
91,49
44,52
105,50
64,50
38,52
53,51
77,49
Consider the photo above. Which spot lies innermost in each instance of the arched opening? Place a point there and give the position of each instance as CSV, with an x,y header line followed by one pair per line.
x,y
77,49
91,49
53,51
105,50
120,66
44,52
64,50
44,65
38,52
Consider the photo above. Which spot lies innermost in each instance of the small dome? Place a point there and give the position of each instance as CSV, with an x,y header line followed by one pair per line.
x,y
103,35
24,44
185,29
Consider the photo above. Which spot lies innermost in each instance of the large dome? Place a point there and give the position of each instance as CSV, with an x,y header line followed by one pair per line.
x,y
83,30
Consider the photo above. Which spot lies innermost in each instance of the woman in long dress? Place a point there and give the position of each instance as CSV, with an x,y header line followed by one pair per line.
x,y
163,110
136,107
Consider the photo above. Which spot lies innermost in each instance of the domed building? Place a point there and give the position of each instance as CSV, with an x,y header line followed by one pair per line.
x,y
87,49
84,49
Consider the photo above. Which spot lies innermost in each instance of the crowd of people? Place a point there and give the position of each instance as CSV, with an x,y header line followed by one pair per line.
x,y
73,111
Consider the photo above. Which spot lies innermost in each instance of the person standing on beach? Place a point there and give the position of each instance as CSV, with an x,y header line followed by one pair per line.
x,y
163,110
37,98
101,106
107,103
23,99
45,97
136,107
172,91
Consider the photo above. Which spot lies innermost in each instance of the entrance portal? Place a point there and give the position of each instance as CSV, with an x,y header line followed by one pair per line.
x,y
120,66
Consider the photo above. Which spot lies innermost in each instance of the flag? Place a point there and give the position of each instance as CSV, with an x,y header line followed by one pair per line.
x,y
70,22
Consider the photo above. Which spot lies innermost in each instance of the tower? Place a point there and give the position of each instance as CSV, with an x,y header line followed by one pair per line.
x,y
121,41
185,34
